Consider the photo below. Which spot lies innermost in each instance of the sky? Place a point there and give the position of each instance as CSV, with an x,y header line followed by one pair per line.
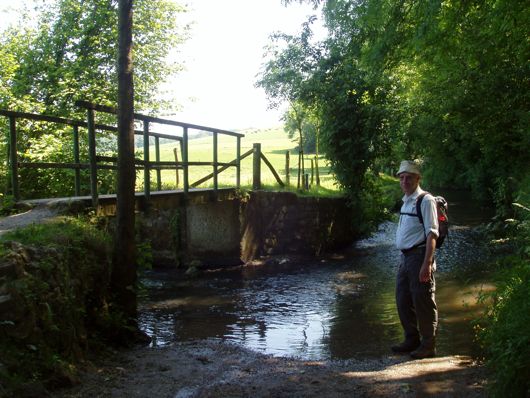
x,y
222,58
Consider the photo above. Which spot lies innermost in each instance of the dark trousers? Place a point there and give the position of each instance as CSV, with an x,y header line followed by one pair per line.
x,y
415,300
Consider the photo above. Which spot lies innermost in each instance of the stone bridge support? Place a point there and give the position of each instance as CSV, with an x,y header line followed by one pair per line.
x,y
225,227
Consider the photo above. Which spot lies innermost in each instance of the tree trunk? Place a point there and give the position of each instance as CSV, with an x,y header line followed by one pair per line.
x,y
123,277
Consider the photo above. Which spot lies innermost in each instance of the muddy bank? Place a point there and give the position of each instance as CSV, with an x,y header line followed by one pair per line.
x,y
218,369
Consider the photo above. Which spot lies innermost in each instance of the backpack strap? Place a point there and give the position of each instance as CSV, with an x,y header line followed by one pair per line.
x,y
420,214
418,205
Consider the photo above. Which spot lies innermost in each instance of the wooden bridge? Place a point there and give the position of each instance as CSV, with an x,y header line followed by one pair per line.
x,y
96,159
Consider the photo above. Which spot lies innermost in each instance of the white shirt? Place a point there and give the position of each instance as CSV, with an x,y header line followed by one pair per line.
x,y
410,231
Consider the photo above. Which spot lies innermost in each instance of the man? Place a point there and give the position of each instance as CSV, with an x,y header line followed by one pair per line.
x,y
415,284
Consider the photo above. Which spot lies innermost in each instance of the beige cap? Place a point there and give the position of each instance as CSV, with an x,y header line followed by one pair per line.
x,y
409,166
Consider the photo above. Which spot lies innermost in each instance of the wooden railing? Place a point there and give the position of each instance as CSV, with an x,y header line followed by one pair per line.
x,y
96,161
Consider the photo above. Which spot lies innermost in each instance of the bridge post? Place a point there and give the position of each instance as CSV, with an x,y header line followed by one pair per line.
x,y
13,156
238,162
215,159
147,167
77,181
92,157
185,175
287,169
157,156
256,167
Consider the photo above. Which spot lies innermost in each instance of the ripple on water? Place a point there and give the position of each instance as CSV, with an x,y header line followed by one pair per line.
x,y
334,308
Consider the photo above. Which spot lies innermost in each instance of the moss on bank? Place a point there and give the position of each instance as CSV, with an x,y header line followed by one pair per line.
x,y
54,280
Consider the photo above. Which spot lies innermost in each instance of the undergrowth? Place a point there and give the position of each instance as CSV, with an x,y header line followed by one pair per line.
x,y
58,287
504,330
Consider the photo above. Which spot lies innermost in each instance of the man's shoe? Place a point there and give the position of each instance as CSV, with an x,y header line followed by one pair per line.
x,y
406,346
423,352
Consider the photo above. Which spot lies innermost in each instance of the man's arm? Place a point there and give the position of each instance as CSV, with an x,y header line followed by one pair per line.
x,y
426,267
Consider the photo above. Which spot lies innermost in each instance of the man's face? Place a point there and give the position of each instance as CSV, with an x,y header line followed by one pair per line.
x,y
408,182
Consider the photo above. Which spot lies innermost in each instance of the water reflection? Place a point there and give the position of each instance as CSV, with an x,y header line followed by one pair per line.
x,y
338,307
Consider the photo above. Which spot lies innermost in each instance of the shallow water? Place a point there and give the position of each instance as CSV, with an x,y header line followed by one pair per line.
x,y
340,307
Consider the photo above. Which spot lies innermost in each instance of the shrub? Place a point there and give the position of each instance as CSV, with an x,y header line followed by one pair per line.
x,y
504,330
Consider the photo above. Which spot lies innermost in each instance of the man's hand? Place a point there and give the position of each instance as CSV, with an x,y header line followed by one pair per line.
x,y
425,272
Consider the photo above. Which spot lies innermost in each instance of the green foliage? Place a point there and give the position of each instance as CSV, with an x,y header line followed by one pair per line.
x,y
69,231
65,56
504,330
59,295
7,204
73,48
459,78
144,255
445,82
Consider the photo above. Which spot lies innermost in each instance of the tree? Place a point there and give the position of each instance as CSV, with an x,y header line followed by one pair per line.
x,y
70,54
123,278
442,81
284,77
73,50
460,75
303,123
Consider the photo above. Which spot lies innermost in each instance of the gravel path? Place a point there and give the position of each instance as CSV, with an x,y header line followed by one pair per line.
x,y
215,369
37,214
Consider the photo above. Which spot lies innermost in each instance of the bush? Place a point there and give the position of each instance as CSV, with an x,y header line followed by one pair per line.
x,y
504,331
56,278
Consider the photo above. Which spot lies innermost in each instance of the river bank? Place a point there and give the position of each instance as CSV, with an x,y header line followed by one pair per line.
x,y
219,369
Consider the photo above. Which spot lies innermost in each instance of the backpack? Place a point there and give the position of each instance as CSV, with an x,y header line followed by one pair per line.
x,y
443,219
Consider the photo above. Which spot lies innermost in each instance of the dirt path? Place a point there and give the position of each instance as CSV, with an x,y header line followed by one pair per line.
x,y
35,215
216,369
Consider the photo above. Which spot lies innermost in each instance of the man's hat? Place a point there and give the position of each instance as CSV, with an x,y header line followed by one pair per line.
x,y
409,166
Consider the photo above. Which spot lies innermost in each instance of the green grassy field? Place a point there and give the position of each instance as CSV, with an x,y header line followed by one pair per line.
x,y
274,145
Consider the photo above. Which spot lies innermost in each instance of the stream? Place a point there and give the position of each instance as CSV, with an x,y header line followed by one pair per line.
x,y
336,307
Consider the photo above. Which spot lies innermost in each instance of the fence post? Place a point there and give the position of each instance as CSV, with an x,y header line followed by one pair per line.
x,y
215,177
185,175
175,153
157,156
317,171
13,156
238,163
77,182
147,167
312,172
306,182
287,169
256,167
92,157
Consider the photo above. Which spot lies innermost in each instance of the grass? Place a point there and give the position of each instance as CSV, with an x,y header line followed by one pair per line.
x,y
274,145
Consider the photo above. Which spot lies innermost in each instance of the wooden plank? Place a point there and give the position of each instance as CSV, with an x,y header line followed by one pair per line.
x,y
215,181
77,175
256,167
238,163
185,172
147,171
154,119
175,152
223,168
43,118
92,158
271,167
287,169
157,157
53,165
